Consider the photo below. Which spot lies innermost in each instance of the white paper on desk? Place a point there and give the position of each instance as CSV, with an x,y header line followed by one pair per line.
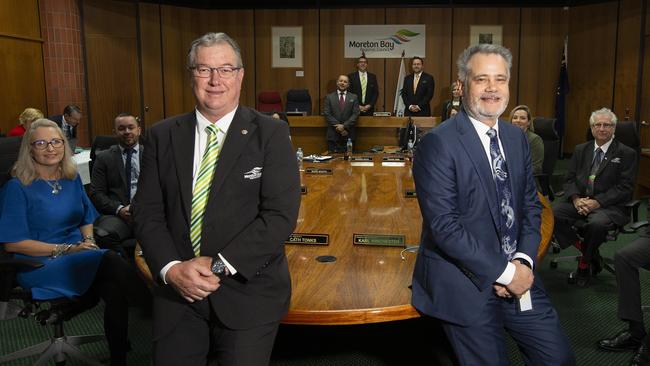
x,y
525,302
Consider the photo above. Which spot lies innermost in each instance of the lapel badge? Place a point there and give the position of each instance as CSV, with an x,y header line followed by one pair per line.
x,y
244,132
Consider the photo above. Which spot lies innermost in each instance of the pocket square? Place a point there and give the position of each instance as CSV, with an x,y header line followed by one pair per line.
x,y
255,173
616,160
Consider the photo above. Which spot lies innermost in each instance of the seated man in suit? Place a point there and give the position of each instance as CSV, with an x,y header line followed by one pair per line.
x,y
114,179
68,121
364,85
598,183
417,90
627,261
341,113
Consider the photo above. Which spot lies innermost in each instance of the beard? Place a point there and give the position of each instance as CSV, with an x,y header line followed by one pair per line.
x,y
479,111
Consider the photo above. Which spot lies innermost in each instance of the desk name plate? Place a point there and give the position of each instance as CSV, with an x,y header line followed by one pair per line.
x,y
379,240
361,158
393,158
325,171
308,239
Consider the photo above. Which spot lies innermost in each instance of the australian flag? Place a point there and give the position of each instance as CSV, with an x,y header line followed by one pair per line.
x,y
560,95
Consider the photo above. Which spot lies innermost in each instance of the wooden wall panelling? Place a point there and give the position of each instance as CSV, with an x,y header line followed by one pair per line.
x,y
153,108
542,41
627,58
21,64
283,79
112,62
591,57
180,26
332,60
508,18
645,96
437,60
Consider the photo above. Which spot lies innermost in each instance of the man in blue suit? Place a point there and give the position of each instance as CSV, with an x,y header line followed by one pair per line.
x,y
480,231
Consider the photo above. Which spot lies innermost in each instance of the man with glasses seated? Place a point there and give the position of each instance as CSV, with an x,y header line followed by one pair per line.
x,y
68,122
599,182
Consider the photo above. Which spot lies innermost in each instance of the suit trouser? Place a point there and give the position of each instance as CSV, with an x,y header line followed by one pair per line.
x,y
627,261
595,229
201,339
537,332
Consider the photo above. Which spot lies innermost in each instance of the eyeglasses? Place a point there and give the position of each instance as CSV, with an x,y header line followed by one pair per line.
x,y
602,125
224,72
42,144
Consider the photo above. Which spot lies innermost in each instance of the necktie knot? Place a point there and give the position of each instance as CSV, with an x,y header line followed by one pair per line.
x,y
128,150
492,133
212,129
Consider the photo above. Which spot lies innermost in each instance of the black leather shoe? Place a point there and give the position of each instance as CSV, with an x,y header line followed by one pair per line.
x,y
597,265
623,341
641,357
582,277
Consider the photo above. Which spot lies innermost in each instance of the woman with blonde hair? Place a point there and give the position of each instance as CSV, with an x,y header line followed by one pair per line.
x,y
46,216
521,117
26,118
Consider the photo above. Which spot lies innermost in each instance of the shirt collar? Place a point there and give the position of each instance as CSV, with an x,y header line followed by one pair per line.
x,y
481,128
605,146
134,147
223,123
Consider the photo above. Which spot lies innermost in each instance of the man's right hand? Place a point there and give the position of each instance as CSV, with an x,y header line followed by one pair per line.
x,y
125,213
193,279
522,280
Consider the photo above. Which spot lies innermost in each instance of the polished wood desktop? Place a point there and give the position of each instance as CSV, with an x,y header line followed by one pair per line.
x,y
308,132
363,284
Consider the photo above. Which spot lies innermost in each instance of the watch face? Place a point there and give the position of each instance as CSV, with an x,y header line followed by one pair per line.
x,y
218,267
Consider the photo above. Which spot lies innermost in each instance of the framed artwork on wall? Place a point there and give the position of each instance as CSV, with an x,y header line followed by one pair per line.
x,y
485,34
287,46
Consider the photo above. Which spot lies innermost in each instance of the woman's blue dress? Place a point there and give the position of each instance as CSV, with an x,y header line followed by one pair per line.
x,y
34,212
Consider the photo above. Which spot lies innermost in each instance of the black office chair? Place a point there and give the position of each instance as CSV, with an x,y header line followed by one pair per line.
x,y
101,143
9,148
298,100
545,128
626,133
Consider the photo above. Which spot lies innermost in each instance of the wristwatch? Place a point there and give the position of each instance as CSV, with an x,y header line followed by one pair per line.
x,y
219,268
522,261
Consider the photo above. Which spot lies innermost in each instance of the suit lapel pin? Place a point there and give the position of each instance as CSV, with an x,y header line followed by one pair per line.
x,y
244,132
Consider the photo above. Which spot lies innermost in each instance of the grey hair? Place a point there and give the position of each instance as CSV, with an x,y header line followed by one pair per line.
x,y
211,39
601,112
466,56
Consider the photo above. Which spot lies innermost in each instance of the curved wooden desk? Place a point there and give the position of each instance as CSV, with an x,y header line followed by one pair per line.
x,y
365,284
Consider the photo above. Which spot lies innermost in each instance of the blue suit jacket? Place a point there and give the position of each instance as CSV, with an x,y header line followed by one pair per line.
x,y
460,254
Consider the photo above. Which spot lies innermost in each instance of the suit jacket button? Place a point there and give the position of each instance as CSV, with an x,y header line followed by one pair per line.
x,y
257,273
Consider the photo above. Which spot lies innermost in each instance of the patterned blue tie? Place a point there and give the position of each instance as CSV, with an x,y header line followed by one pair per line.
x,y
504,196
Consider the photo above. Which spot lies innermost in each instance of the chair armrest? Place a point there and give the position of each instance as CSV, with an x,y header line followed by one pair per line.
x,y
635,226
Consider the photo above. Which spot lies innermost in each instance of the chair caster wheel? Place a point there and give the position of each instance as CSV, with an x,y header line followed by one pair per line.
x,y
556,250
571,279
553,265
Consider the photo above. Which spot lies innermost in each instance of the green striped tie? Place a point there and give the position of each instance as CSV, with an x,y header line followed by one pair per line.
x,y
202,187
364,83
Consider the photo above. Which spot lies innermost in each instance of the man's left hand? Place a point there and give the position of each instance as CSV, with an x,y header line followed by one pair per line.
x,y
339,127
501,291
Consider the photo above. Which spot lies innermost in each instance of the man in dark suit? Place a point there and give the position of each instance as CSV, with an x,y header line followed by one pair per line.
x,y
114,179
218,195
481,221
627,261
599,182
364,85
341,113
69,120
417,90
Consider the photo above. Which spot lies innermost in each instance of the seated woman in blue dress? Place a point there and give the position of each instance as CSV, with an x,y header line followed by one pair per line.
x,y
45,215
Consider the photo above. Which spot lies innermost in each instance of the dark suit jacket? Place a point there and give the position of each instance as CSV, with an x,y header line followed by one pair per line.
x,y
108,180
59,121
421,97
334,115
614,182
247,219
372,90
460,253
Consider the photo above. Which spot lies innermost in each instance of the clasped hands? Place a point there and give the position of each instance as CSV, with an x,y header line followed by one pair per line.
x,y
585,205
521,282
340,128
414,108
193,279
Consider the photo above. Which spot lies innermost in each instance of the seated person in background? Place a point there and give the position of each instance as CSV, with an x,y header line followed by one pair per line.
x,y
520,116
341,113
599,182
46,216
453,104
114,179
26,118
68,121
627,261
